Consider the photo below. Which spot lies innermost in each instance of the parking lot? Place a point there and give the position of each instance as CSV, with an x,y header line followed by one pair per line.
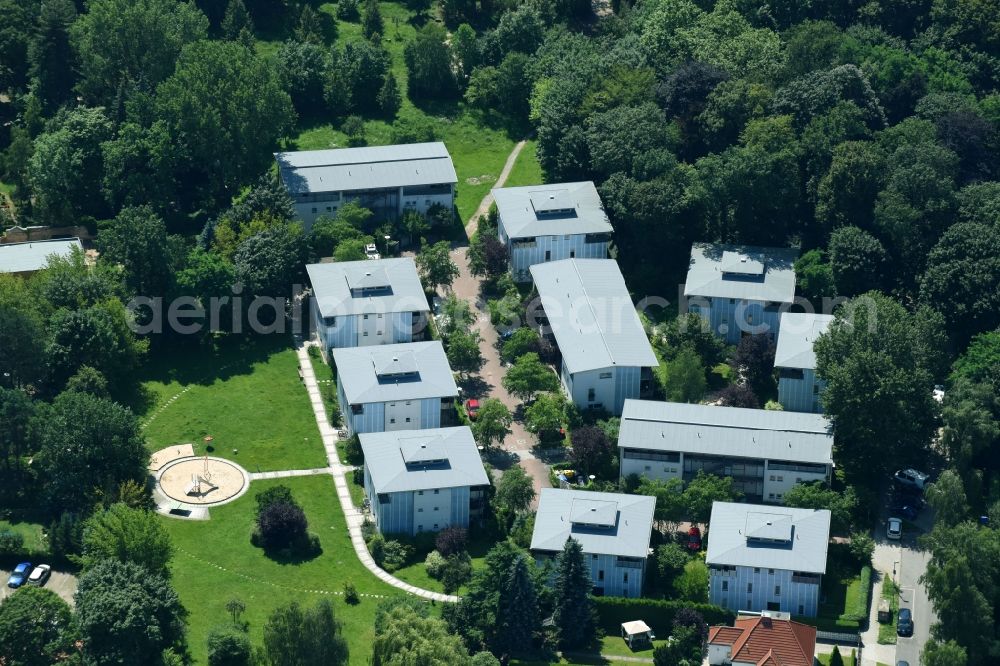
x,y
60,582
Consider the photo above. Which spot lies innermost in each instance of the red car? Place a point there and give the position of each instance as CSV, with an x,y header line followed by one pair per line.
x,y
694,539
472,408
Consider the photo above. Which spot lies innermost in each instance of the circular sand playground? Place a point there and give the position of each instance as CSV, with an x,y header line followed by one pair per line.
x,y
202,481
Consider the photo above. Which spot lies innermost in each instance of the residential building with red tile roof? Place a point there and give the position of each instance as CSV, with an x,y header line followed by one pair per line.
x,y
763,640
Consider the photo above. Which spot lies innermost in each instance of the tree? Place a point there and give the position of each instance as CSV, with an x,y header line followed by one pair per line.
x,y
692,584
682,648
294,636
405,634
835,658
517,611
17,437
126,614
671,558
492,425
947,497
878,361
816,495
236,20
704,490
754,362
488,256
464,353
21,361
937,653
139,167
123,44
465,52
451,540
857,260
36,628
592,451
546,413
302,69
522,341
691,330
670,505
229,646
389,98
684,377
137,240
270,262
127,535
456,316
371,21
846,194
89,447
814,277
310,27
963,271
514,493
98,336
528,376
355,76
282,524
739,395
222,99
981,361
65,169
50,54
573,614
428,64
436,266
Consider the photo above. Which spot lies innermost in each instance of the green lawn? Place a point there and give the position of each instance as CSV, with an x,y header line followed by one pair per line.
x,y
527,170
846,589
245,393
327,385
215,562
34,540
415,573
887,632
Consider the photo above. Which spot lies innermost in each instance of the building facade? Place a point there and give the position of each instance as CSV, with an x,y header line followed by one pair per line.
x,y
613,530
764,558
395,387
366,303
388,180
766,453
427,480
740,290
799,388
542,223
606,357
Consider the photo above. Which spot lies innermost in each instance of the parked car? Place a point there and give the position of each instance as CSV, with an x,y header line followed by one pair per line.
x,y
371,251
911,477
902,663
39,575
20,575
906,511
472,408
895,529
507,335
694,538
904,626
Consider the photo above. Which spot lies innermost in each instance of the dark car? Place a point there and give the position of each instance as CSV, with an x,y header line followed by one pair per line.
x,y
905,510
904,626
902,663
19,576
694,539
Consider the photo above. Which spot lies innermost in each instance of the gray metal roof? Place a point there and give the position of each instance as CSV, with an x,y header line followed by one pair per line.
x,y
374,167
603,523
407,460
366,374
742,271
798,332
551,210
333,284
726,431
591,314
34,255
773,537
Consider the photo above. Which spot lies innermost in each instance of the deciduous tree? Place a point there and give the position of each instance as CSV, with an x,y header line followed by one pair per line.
x,y
529,376
128,535
36,628
296,636
493,423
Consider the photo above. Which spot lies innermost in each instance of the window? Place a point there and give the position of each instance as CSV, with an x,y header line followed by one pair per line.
x,y
572,254
407,419
772,477
770,496
781,478
625,578
436,509
802,609
725,586
378,333
392,420
315,210
756,569
646,468
548,255
593,557
591,395
420,528
815,389
366,317
380,316
777,590
605,375
435,525
420,510
365,334
750,587
328,209
420,492
770,571
437,491
600,574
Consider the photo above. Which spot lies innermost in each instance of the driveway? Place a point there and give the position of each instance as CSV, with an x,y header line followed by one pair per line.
x,y
60,582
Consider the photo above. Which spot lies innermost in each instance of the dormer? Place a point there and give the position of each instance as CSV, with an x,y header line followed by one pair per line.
x,y
550,204
365,282
394,367
771,530
593,514
738,266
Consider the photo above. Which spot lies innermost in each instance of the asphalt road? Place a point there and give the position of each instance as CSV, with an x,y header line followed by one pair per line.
x,y
913,595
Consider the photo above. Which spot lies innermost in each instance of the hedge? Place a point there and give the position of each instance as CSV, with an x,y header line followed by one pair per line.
x,y
657,613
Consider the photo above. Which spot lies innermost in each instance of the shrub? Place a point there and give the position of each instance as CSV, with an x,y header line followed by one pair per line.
x,y
352,450
351,593
862,547
282,525
435,564
457,572
228,646
395,555
451,540
348,10
657,613
272,495
376,547
66,536
11,542
368,530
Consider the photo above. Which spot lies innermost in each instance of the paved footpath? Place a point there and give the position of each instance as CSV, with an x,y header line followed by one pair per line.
x,y
284,474
353,515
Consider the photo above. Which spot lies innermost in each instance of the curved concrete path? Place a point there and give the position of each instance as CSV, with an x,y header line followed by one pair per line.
x,y
354,517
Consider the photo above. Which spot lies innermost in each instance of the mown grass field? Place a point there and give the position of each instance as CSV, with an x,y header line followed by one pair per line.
x,y
244,393
215,562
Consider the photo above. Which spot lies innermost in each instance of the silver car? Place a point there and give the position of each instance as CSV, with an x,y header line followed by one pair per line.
x,y
895,529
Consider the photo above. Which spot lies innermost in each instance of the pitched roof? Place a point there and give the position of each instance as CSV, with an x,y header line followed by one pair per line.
x,y
591,314
407,460
767,641
775,537
741,271
726,431
373,167
384,373
34,255
603,523
551,210
371,286
798,332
